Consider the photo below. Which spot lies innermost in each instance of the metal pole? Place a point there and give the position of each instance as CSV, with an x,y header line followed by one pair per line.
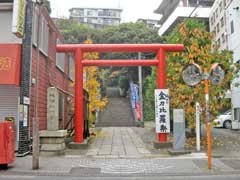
x,y
208,125
78,96
35,147
140,89
161,82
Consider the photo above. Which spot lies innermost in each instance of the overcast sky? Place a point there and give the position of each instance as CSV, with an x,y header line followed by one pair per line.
x,y
132,9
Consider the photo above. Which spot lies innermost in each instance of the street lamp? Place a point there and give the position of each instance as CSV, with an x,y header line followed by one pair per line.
x,y
192,75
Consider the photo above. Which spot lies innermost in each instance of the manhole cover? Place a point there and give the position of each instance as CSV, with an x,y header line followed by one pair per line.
x,y
121,168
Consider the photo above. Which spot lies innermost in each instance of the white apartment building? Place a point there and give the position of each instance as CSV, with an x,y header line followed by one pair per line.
x,y
218,23
233,32
225,25
175,11
96,17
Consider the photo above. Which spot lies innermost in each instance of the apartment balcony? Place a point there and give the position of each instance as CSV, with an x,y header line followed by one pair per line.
x,y
181,13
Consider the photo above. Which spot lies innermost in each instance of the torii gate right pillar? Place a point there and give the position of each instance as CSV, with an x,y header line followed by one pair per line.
x,y
161,82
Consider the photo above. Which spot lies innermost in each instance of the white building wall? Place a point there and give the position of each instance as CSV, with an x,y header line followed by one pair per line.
x,y
233,31
233,16
5,28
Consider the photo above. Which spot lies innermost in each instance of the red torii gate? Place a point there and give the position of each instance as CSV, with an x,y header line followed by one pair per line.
x,y
79,49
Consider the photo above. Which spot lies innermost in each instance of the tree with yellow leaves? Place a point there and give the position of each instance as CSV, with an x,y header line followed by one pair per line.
x,y
91,84
200,50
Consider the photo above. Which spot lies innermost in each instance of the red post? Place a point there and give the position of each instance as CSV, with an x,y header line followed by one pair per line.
x,y
161,82
78,96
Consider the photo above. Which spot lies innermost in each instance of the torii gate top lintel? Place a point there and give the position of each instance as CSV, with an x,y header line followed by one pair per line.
x,y
79,49
120,47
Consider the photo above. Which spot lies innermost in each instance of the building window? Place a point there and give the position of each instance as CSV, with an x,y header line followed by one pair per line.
x,y
90,13
43,42
219,42
211,20
60,59
35,24
222,22
100,13
43,31
71,67
221,6
223,38
217,27
214,34
236,114
216,13
232,27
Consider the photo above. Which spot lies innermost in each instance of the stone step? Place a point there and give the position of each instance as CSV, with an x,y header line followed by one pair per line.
x,y
118,112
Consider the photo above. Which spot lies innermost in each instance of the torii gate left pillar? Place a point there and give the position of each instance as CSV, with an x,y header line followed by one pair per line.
x,y
79,49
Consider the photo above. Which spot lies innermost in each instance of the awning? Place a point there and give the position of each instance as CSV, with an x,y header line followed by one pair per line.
x,y
10,61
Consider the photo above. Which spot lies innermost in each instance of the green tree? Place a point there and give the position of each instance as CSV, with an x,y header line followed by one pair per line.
x,y
150,84
75,33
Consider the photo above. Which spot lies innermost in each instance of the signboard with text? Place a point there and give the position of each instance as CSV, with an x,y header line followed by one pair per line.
x,y
10,60
162,112
18,18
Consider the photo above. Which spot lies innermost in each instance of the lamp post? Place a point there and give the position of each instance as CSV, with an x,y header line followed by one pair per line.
x,y
192,75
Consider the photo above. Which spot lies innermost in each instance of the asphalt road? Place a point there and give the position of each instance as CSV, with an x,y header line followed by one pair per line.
x,y
209,177
225,142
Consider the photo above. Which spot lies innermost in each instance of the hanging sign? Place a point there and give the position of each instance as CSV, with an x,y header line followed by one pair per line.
x,y
162,113
18,17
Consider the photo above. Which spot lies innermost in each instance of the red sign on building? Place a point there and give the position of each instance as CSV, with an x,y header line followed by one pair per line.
x,y
10,60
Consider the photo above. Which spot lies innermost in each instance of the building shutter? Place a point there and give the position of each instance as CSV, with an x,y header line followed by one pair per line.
x,y
9,97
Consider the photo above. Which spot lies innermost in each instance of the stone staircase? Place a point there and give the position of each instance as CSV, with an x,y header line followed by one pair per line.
x,y
118,112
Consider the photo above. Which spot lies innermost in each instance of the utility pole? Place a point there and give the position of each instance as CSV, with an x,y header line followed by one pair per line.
x,y
35,147
140,89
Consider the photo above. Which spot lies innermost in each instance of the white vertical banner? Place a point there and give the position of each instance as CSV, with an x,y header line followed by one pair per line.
x,y
18,17
162,112
198,113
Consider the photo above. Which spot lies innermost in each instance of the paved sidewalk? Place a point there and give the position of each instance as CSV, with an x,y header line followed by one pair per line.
x,y
119,151
83,166
118,142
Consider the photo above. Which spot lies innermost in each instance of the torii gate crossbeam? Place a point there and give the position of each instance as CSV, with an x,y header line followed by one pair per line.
x,y
79,49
